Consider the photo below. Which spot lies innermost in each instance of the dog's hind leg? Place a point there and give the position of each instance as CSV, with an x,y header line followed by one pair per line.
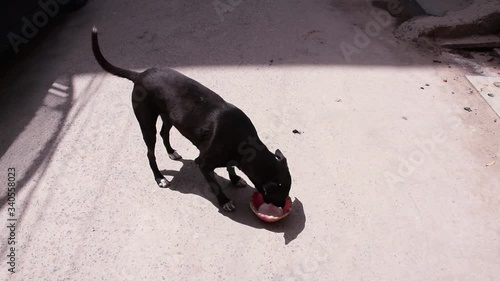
x,y
165,134
235,179
147,122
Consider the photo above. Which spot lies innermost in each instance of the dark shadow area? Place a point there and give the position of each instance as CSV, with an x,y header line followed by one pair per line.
x,y
188,180
24,84
29,87
17,116
57,109
402,10
26,24
196,33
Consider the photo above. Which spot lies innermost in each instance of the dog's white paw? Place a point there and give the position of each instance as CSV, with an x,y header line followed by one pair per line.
x,y
241,183
175,156
229,206
163,183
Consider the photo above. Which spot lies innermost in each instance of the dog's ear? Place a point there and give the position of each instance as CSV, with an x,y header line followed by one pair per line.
x,y
281,158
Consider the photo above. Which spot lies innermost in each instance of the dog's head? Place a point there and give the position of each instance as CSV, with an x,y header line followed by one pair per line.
x,y
276,191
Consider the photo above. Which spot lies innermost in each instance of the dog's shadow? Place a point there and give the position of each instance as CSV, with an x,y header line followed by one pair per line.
x,y
189,180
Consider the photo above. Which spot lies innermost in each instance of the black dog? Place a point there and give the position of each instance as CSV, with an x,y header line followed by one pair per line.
x,y
223,134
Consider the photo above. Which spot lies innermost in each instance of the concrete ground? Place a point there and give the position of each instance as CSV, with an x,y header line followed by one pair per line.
x,y
390,175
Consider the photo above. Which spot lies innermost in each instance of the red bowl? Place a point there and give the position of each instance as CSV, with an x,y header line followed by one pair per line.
x,y
258,200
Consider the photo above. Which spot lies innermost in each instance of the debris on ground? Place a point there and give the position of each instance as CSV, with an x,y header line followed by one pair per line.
x,y
295,131
485,86
490,164
467,109
445,80
462,53
427,85
422,88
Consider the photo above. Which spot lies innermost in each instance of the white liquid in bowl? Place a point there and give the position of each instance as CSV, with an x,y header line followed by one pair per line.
x,y
270,210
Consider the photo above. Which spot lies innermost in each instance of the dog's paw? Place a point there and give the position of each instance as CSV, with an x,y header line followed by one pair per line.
x,y
175,156
163,183
241,183
229,206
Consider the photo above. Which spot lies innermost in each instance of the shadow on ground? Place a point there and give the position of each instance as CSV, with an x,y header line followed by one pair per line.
x,y
188,180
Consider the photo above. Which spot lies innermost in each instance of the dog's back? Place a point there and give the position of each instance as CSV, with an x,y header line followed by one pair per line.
x,y
194,110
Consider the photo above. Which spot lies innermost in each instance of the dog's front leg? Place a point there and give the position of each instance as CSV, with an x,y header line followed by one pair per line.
x,y
224,202
235,179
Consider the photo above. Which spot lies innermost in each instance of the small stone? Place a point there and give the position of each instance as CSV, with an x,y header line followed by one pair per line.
x,y
404,117
491,95
422,88
497,84
295,131
467,109
445,80
427,85
338,100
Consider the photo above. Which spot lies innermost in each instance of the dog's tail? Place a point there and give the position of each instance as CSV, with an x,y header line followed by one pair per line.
x,y
129,74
